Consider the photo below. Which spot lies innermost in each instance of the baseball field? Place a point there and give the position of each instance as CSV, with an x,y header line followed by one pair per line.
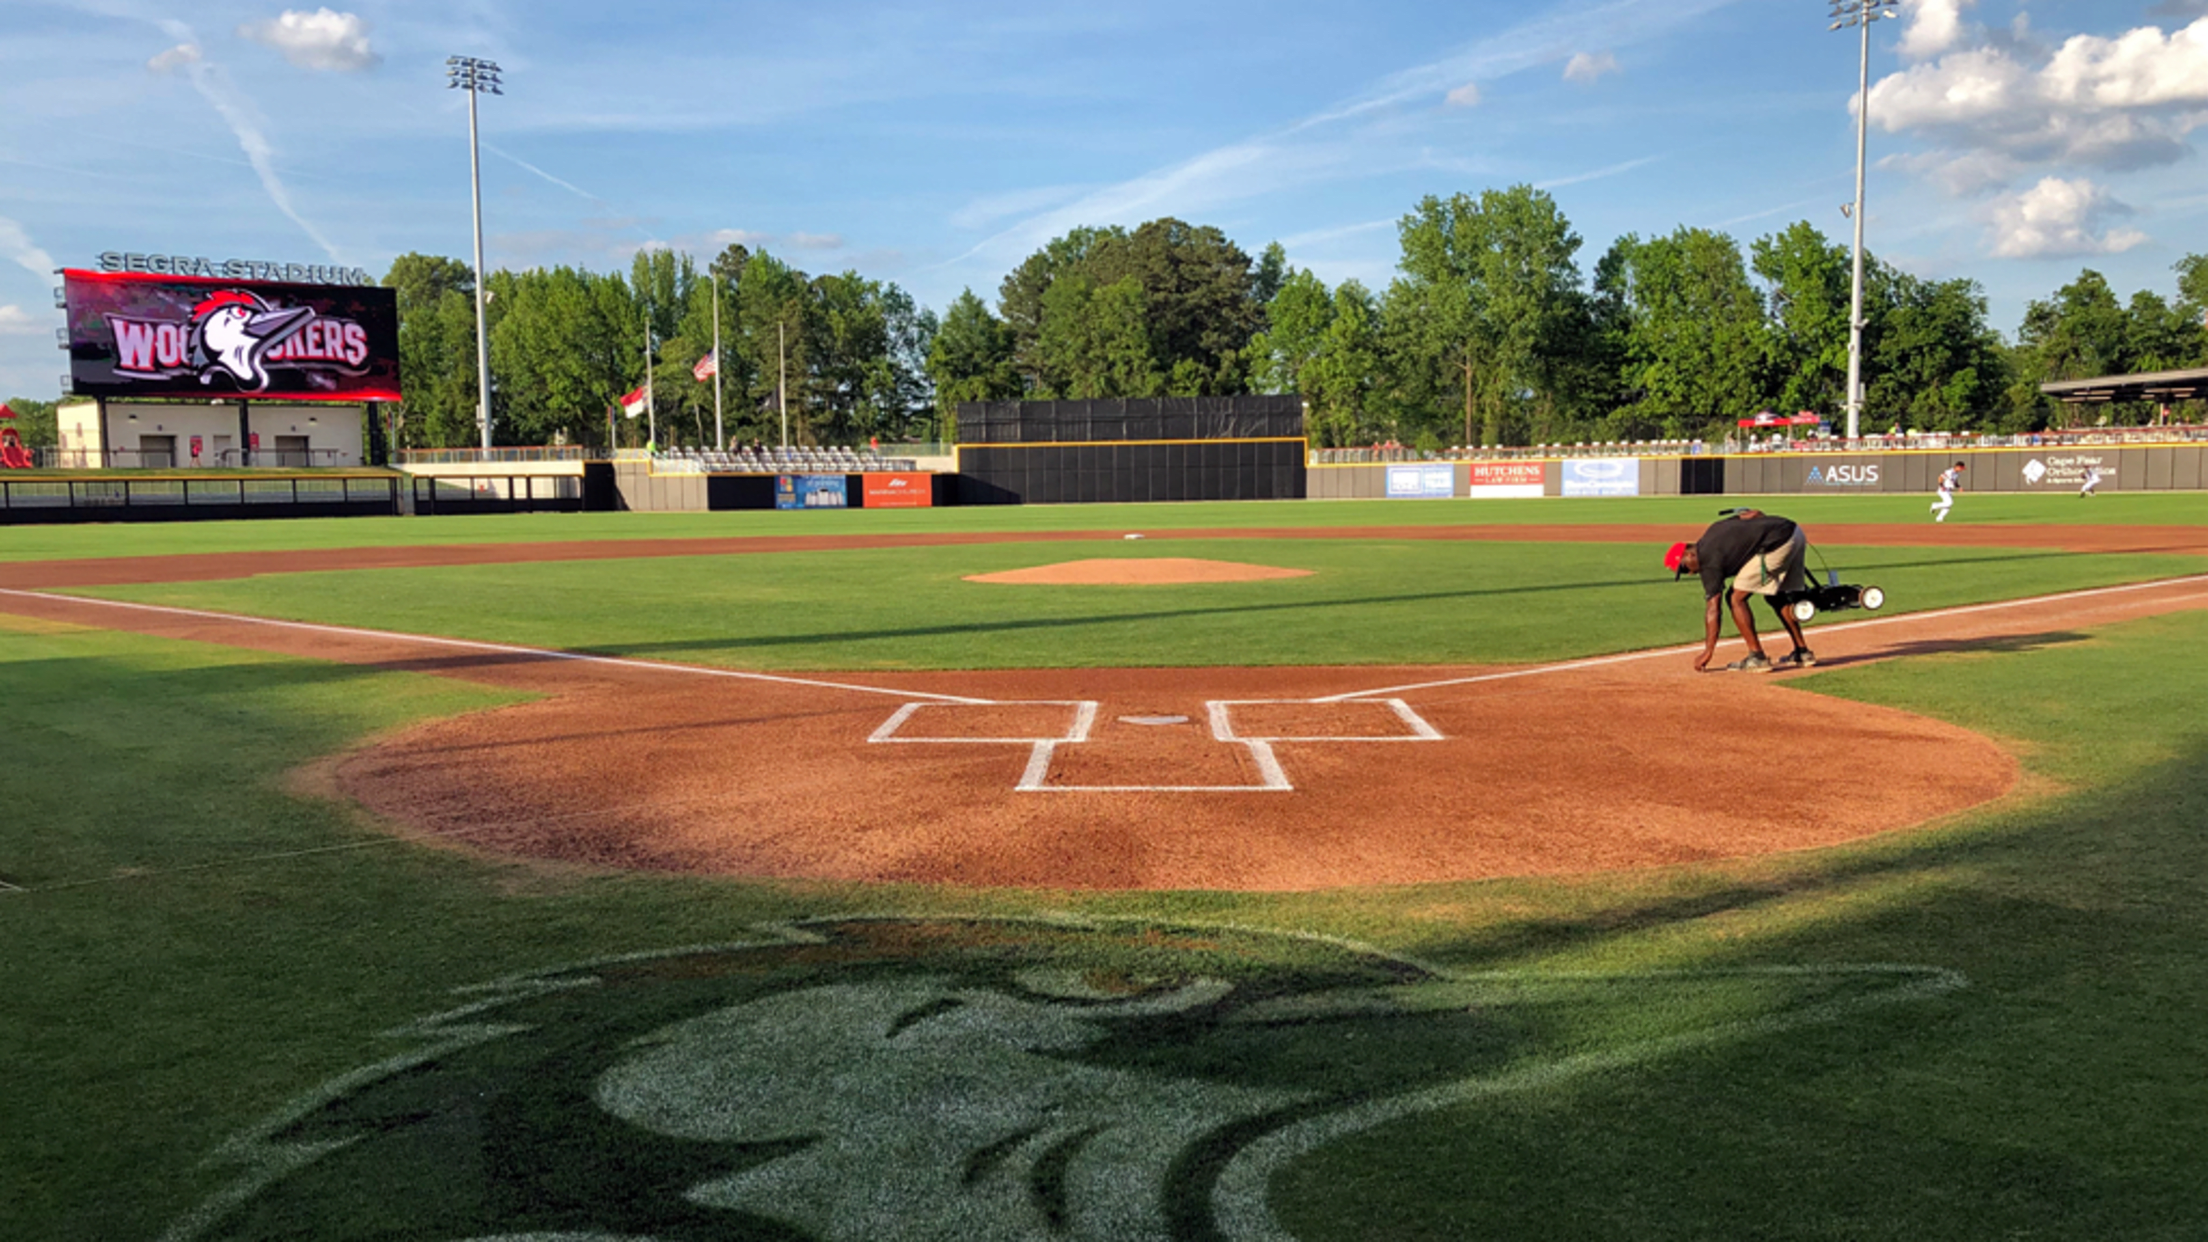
x,y
1339,870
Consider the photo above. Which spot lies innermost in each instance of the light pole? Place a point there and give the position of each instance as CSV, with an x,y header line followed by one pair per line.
x,y
1860,14
466,73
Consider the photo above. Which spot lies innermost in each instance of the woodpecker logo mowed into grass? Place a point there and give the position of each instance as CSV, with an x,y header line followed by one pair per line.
x,y
882,1079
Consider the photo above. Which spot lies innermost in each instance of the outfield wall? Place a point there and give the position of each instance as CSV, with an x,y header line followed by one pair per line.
x,y
2128,468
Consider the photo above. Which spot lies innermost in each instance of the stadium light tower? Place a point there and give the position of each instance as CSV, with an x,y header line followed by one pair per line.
x,y
466,73
1860,14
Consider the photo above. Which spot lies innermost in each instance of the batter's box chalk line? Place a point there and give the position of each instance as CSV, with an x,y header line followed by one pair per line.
x,y
1080,720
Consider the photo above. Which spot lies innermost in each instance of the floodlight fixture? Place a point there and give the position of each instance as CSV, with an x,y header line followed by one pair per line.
x,y
1859,14
477,76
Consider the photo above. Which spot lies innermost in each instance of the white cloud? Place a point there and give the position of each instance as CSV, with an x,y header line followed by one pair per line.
x,y
176,57
1934,26
1465,96
237,111
16,244
2059,218
15,321
2111,104
323,39
1586,67
2140,69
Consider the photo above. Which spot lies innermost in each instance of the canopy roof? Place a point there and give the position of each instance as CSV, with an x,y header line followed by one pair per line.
x,y
2143,386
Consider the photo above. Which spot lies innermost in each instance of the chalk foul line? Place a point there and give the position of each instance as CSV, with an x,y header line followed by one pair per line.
x,y
1568,666
466,644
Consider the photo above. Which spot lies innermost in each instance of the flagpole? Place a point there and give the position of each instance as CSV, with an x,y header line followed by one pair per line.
x,y
651,407
782,379
720,438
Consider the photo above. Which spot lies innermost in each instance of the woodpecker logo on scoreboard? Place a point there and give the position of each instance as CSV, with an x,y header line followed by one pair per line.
x,y
240,335
174,337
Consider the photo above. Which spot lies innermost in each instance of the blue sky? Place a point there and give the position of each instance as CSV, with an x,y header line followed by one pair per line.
x,y
938,144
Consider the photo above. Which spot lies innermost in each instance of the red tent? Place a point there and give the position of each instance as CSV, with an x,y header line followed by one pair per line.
x,y
1766,419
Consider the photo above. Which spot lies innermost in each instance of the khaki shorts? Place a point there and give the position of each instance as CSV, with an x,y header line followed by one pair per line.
x,y
1780,569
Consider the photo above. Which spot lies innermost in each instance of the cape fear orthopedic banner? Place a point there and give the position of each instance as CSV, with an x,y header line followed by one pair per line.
x,y
1602,476
184,337
2064,470
1429,482
1502,480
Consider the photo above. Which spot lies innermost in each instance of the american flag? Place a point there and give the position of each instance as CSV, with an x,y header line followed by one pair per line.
x,y
707,367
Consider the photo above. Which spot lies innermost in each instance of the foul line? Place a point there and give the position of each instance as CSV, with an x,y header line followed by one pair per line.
x,y
502,648
1599,661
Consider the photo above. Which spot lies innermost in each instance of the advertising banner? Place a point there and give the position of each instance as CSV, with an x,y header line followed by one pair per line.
x,y
809,491
1422,482
899,491
1602,476
187,337
2066,469
1496,480
1846,475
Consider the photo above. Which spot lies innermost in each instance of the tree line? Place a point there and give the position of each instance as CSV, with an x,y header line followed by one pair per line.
x,y
1489,332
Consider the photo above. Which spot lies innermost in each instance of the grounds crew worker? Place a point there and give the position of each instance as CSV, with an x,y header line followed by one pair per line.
x,y
1762,554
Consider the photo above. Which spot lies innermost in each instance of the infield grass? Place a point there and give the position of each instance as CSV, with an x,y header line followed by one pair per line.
x,y
202,939
1367,602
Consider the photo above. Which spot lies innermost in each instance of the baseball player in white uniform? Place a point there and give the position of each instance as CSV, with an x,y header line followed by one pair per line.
x,y
1950,479
2092,480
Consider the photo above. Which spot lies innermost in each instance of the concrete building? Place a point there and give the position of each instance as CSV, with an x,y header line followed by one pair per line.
x,y
171,434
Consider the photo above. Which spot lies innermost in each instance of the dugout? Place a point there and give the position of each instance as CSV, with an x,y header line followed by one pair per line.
x,y
1123,450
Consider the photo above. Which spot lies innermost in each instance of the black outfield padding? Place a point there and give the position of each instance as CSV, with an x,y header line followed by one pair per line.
x,y
1131,450
1130,419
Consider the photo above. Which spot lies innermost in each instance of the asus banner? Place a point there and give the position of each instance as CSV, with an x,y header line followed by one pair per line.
x,y
182,337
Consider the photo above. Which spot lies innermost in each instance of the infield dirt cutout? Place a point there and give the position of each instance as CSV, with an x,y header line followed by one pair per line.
x,y
1225,778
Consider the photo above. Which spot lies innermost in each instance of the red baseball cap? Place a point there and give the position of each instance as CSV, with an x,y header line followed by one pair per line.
x,y
1672,558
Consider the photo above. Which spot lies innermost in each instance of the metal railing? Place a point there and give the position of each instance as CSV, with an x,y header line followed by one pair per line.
x,y
1955,441
156,459
244,492
500,456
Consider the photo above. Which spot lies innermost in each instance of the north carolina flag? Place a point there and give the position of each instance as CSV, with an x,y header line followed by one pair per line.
x,y
633,404
707,367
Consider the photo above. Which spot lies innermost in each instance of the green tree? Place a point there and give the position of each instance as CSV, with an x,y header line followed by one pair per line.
x,y
561,352
437,372
970,359
1200,305
1693,330
1488,287
1809,281
1096,340
1297,319
1930,359
1344,383
36,421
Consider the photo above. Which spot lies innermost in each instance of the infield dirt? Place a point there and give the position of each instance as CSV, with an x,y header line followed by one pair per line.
x,y
1620,762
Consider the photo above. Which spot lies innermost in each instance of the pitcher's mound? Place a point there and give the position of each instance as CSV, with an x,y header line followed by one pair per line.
x,y
1143,571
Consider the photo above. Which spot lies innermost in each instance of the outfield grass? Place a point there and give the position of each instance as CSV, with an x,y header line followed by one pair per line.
x,y
202,941
1368,602
19,543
